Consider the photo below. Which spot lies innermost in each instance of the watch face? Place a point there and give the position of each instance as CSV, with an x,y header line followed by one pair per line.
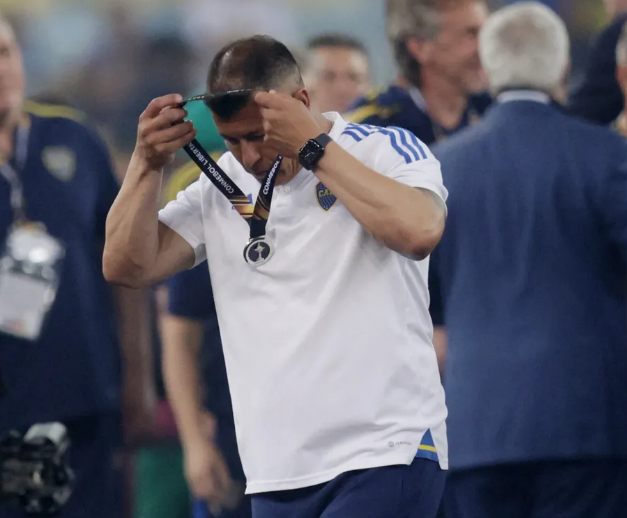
x,y
310,154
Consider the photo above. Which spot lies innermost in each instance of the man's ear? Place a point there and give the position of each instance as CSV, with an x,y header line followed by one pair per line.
x,y
420,50
303,96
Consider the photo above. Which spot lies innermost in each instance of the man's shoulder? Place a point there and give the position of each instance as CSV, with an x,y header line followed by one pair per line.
x,y
57,115
592,136
393,106
380,106
390,144
62,123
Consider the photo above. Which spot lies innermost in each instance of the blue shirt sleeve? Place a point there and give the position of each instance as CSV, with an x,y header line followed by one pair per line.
x,y
190,295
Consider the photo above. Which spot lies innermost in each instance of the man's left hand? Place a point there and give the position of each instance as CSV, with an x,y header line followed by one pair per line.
x,y
287,122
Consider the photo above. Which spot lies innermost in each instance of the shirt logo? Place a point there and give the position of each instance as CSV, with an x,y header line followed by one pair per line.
x,y
60,161
325,197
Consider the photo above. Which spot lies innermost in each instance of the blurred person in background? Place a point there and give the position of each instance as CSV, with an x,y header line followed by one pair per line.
x,y
336,71
440,87
198,390
440,84
85,360
598,97
621,73
532,267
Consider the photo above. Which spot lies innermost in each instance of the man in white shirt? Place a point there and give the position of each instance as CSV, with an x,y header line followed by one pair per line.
x,y
320,287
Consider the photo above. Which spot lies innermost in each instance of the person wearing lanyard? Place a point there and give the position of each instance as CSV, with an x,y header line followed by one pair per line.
x,y
59,344
338,406
533,265
337,68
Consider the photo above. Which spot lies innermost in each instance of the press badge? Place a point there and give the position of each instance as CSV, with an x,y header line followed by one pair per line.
x,y
29,279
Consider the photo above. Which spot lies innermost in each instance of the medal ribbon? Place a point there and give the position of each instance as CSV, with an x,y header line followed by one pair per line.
x,y
257,216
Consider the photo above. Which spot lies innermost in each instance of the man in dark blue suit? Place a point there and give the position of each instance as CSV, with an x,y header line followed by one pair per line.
x,y
533,266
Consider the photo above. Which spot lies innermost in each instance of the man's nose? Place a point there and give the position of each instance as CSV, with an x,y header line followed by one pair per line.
x,y
250,154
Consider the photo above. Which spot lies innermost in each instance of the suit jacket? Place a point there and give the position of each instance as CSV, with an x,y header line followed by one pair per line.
x,y
532,268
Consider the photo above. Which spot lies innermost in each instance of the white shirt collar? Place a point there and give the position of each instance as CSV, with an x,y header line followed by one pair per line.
x,y
524,95
339,124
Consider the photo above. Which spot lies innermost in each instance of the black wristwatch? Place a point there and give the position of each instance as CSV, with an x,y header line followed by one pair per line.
x,y
313,151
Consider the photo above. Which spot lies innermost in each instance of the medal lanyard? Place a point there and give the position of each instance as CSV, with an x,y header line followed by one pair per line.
x,y
10,174
257,217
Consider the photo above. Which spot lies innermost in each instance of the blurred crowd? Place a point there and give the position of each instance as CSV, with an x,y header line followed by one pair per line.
x,y
109,59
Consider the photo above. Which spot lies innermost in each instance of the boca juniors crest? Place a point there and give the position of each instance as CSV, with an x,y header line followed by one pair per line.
x,y
325,197
60,161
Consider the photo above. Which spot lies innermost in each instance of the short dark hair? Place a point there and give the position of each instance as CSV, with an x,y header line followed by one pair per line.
x,y
336,41
258,62
254,63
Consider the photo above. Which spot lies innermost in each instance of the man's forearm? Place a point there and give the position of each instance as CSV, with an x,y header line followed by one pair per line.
x,y
132,236
405,219
181,350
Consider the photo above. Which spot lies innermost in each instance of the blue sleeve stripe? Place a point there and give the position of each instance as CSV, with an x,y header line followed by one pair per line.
x,y
411,148
418,144
404,142
396,146
359,129
414,140
354,135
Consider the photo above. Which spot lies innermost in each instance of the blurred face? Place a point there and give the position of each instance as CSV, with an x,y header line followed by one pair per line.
x,y
12,82
454,53
615,7
336,77
244,137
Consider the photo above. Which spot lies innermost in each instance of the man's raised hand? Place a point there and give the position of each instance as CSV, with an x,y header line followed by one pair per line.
x,y
162,132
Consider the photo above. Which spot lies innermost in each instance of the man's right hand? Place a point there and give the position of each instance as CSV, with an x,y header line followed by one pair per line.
x,y
207,474
162,132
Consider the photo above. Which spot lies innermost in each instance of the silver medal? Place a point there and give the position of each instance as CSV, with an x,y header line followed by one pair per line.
x,y
258,251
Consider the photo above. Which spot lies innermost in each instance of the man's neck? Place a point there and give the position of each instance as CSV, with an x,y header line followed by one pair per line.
x,y
446,103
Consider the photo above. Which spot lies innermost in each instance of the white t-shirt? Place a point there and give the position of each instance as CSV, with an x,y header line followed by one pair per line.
x,y
328,346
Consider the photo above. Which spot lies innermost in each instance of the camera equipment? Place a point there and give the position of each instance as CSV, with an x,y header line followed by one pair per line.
x,y
33,468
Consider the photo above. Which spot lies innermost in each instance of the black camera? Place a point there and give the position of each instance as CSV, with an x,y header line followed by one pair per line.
x,y
33,468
